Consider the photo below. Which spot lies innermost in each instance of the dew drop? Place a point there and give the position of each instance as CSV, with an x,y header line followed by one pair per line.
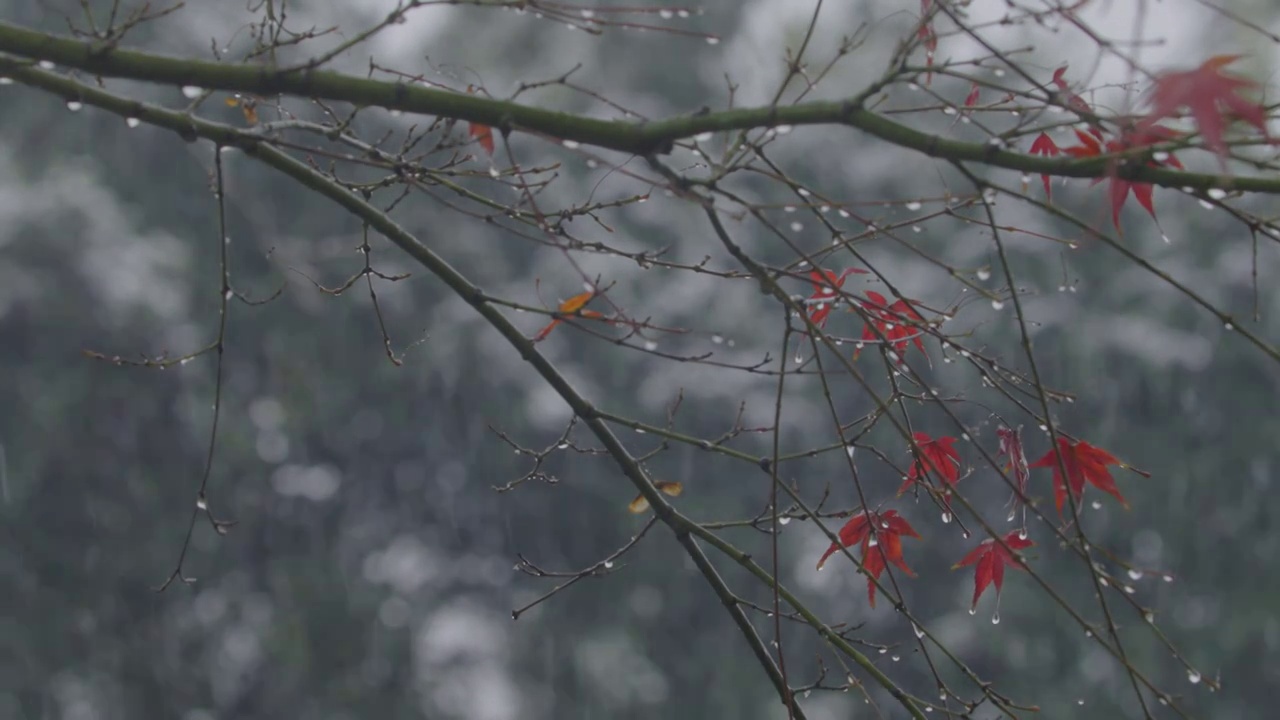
x,y
571,144
1216,193
948,111
997,304
6,81
666,14
843,213
946,517
1160,156
1088,633
650,345
132,122
74,105
1022,534
717,339
1150,617
608,564
1135,574
201,503
783,129
703,137
191,92
916,629
713,40
1096,505
1168,578
46,65
995,618
784,520
850,450
1228,327
682,13
1194,676
797,226
973,611
1206,204
984,274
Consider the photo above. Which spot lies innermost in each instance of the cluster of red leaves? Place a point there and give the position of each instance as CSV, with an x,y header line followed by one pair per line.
x,y
898,323
826,287
880,537
1211,96
880,533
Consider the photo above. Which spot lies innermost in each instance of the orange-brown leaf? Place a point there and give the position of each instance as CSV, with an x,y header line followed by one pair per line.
x,y
571,305
641,503
482,134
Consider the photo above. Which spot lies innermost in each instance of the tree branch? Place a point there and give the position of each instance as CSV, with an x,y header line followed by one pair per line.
x,y
638,138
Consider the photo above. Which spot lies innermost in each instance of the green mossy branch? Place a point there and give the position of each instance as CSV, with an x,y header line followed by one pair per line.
x,y
638,138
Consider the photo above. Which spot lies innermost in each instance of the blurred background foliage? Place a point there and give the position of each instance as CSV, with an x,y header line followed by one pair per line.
x,y
370,572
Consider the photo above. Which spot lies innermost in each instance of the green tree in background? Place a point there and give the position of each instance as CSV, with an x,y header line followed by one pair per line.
x,y
621,349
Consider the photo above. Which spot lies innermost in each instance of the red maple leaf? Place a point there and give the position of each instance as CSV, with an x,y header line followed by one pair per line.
x,y
1011,447
884,547
928,37
990,558
1069,97
826,287
1212,97
898,323
1083,462
1118,188
937,456
1044,145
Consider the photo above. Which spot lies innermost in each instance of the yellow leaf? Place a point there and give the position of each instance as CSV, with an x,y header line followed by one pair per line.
x,y
640,504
